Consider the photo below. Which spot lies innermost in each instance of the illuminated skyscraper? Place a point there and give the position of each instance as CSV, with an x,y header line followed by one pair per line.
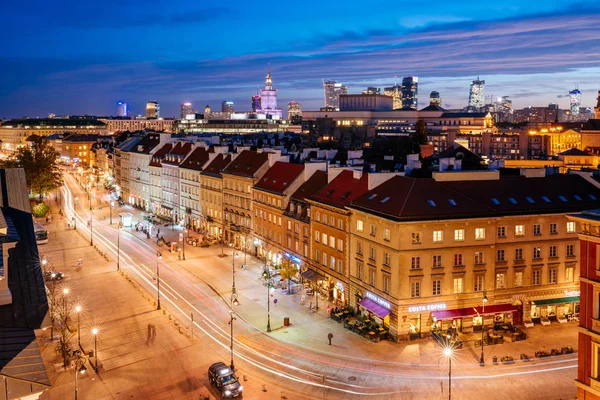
x,y
333,90
256,103
476,99
268,99
152,109
597,108
371,90
395,92
185,110
435,99
121,109
575,101
294,110
410,92
227,107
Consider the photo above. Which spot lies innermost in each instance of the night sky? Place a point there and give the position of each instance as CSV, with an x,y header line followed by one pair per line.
x,y
80,57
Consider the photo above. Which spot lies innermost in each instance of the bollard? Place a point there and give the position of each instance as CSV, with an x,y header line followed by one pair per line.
x,y
264,387
245,378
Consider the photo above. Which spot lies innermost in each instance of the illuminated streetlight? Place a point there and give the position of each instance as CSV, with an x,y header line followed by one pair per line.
x,y
448,353
158,257
79,369
78,311
484,300
95,333
91,226
112,204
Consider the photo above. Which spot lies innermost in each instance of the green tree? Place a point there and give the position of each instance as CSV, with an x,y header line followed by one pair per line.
x,y
40,162
288,271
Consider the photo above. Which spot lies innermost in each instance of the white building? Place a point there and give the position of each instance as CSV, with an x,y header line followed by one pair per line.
x,y
170,207
139,162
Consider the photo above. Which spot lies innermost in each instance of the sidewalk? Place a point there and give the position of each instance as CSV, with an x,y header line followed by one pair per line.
x,y
130,365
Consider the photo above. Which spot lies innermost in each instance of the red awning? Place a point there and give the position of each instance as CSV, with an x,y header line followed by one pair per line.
x,y
474,311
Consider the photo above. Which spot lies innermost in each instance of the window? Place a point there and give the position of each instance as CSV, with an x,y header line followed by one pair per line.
x,y
458,285
340,245
359,225
478,258
569,274
332,242
500,255
458,260
289,225
518,279
324,261
416,237
415,262
437,287
324,239
415,289
535,277
479,233
437,261
387,259
339,266
459,235
537,229
500,280
501,231
570,250
478,283
537,252
324,219
317,255
553,229
553,251
332,262
372,230
372,277
340,224
317,236
386,283
570,227
359,249
318,216
552,276
372,253
519,230
386,234
438,236
519,254
359,270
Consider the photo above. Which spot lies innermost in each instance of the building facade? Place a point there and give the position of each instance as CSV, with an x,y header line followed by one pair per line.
x,y
170,180
189,177
211,195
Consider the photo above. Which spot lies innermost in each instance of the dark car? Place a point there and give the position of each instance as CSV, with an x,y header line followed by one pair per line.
x,y
223,378
53,276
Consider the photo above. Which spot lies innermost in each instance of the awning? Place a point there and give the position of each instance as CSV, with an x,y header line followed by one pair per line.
x,y
474,311
311,275
375,308
167,208
572,299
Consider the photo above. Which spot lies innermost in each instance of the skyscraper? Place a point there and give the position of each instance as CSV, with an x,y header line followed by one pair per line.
x,y
371,90
435,99
256,103
410,92
333,90
121,109
152,109
575,101
294,110
476,99
185,110
227,107
268,99
395,92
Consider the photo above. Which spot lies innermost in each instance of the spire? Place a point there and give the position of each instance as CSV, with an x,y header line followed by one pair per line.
x,y
268,82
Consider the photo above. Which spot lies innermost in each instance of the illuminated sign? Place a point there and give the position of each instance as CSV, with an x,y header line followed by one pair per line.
x,y
572,292
379,300
428,307
293,258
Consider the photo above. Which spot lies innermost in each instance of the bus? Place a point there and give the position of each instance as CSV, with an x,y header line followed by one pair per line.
x,y
41,233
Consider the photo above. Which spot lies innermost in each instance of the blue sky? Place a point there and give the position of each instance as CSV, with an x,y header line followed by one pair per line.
x,y
74,57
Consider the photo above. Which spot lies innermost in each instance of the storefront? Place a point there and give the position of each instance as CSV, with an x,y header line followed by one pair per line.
x,y
554,308
375,308
339,296
471,319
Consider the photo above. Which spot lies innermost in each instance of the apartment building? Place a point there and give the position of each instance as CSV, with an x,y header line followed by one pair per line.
x,y
211,195
170,180
189,178
122,167
155,173
139,161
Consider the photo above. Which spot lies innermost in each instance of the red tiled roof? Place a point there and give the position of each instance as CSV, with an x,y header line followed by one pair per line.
x,y
179,151
247,163
315,183
196,159
160,155
343,189
217,164
279,177
147,143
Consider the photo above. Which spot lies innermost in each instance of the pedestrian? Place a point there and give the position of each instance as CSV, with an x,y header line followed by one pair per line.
x,y
330,336
149,333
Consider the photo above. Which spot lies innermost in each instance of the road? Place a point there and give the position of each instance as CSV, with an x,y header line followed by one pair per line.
x,y
200,285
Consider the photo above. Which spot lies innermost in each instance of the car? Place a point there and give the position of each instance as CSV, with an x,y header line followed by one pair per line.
x,y
53,276
223,378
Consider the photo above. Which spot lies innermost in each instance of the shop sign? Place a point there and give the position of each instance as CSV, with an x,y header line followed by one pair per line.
x,y
293,258
572,292
379,300
427,307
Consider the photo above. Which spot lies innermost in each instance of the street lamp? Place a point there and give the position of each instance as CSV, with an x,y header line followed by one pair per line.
x,y
484,300
119,246
75,212
44,263
233,256
78,311
448,354
91,226
158,257
234,302
79,369
95,333
184,232
112,204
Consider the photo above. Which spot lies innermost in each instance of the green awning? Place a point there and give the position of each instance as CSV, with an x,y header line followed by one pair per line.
x,y
573,299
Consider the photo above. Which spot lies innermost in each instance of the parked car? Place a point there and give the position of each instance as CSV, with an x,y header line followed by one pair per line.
x,y
53,276
223,378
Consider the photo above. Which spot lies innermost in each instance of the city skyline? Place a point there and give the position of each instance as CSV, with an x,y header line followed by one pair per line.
x,y
535,58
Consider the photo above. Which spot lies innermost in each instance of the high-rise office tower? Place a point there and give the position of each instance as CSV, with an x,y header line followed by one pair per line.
x,y
256,103
476,99
185,110
227,107
435,99
597,108
395,92
152,109
294,110
371,90
575,101
410,92
333,90
121,109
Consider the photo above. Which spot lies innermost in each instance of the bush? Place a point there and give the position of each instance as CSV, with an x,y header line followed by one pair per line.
x,y
40,210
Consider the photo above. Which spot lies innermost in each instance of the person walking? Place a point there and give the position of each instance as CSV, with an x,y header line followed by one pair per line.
x,y
330,336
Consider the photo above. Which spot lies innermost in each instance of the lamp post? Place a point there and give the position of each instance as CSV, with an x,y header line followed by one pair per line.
x,y
234,302
267,275
79,369
484,300
44,263
448,354
78,311
112,204
95,333
158,257
119,246
75,212
233,256
65,294
183,246
91,226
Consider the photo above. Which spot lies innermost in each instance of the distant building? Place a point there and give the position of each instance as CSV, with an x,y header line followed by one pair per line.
x,y
137,124
377,102
294,110
185,110
227,107
268,99
333,90
503,110
14,132
597,108
575,101
535,114
435,99
371,90
410,92
122,110
152,109
476,97
256,103
395,92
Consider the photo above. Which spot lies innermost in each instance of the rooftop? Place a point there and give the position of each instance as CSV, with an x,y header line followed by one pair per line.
x,y
196,159
216,166
160,155
279,177
147,143
247,163
343,189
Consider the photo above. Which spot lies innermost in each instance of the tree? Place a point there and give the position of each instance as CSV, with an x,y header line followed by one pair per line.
x,y
288,271
40,162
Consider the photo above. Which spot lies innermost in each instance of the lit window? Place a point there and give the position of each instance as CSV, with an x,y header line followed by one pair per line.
x,y
479,233
438,236
416,237
459,235
569,274
519,230
359,225
458,285
386,234
570,227
518,279
500,281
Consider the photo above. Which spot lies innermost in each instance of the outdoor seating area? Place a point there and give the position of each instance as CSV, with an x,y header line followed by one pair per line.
x,y
360,324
